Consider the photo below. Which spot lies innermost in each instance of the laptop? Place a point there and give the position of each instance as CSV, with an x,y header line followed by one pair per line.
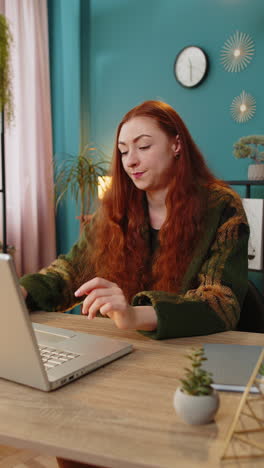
x,y
231,365
40,356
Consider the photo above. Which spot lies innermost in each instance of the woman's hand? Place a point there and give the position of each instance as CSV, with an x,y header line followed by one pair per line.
x,y
109,299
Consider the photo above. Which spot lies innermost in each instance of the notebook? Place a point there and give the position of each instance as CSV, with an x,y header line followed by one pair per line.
x,y
41,356
231,365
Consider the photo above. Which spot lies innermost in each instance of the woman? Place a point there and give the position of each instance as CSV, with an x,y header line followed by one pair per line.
x,y
166,252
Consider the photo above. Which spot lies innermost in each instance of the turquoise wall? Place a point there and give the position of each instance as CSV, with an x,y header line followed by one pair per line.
x,y
133,47
69,40
120,52
64,42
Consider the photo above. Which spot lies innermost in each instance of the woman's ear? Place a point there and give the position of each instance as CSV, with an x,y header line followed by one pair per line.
x,y
176,146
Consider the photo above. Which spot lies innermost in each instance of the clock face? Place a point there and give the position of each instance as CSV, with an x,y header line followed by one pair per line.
x,y
191,66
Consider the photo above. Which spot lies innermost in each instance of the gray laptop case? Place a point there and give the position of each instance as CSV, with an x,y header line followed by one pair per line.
x,y
20,358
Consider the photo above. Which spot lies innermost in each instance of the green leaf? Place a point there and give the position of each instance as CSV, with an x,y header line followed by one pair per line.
x,y
197,381
78,175
6,95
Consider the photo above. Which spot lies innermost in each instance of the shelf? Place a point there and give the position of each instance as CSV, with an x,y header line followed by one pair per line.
x,y
247,183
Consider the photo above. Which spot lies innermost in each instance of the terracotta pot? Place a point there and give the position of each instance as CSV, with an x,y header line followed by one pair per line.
x,y
196,409
256,172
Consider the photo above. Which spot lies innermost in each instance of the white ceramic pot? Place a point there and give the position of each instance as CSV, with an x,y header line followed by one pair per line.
x,y
262,384
196,409
256,172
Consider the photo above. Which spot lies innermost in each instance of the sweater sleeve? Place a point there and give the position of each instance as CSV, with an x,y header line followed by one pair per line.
x,y
216,292
52,288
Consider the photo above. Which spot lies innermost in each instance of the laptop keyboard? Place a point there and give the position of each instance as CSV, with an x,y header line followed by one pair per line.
x,y
52,357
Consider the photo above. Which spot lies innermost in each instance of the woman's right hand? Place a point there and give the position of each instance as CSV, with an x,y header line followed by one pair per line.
x,y
24,292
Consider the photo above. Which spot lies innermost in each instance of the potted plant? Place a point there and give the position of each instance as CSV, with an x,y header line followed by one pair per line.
x,y
195,400
6,107
6,97
250,147
79,175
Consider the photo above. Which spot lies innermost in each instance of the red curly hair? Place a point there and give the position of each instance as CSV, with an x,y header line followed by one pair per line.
x,y
121,251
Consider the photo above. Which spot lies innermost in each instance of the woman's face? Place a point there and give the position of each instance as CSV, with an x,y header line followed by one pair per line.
x,y
148,154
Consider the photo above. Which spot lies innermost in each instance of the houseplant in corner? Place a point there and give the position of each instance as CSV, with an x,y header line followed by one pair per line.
x,y
79,175
6,109
250,147
195,400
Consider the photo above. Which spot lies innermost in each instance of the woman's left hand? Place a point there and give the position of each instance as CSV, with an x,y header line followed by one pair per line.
x,y
109,299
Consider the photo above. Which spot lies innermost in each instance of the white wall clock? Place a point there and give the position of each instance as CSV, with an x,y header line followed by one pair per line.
x,y
191,66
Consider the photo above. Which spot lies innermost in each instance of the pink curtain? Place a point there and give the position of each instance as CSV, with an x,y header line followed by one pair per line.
x,y
29,168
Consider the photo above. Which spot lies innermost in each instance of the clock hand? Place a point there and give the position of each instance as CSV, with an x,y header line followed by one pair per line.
x,y
190,69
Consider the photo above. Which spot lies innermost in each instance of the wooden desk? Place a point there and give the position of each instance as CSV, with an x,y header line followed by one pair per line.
x,y
120,416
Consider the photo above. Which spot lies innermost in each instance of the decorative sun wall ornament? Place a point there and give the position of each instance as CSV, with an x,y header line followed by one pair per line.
x,y
243,107
237,52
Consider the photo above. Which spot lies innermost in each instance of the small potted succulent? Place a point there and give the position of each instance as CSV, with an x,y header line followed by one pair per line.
x,y
195,400
250,147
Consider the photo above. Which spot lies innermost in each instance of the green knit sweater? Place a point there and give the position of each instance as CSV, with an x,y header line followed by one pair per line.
x,y
212,291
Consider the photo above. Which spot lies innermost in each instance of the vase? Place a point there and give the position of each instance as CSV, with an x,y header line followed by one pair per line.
x,y
262,384
256,172
196,409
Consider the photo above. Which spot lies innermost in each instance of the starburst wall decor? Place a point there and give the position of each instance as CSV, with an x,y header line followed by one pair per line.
x,y
237,52
243,107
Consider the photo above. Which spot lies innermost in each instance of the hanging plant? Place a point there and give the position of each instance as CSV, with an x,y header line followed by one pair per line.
x,y
6,96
